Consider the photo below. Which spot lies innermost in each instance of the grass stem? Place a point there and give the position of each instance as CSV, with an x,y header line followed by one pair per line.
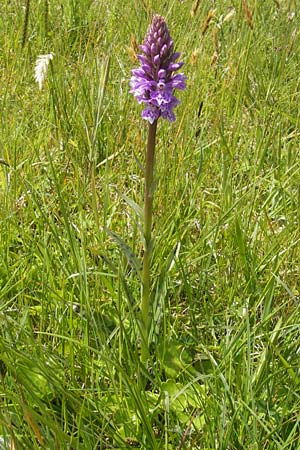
x,y
26,20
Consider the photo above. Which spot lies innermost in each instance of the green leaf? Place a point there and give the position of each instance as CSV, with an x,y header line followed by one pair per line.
x,y
132,259
174,358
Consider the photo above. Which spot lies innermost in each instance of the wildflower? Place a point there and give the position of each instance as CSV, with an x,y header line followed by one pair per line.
x,y
41,67
154,82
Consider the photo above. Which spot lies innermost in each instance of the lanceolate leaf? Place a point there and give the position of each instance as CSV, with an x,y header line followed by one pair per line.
x,y
132,259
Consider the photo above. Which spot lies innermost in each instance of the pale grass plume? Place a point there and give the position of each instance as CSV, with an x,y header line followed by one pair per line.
x,y
41,67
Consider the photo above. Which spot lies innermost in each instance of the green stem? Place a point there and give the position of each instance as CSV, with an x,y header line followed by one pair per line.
x,y
26,20
148,207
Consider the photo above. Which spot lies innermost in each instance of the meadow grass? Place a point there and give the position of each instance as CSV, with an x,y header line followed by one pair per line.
x,y
224,366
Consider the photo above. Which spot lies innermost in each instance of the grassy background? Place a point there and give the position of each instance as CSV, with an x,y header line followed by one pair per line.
x,y
225,346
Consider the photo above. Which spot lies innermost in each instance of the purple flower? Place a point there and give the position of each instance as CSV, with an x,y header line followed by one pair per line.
x,y
154,82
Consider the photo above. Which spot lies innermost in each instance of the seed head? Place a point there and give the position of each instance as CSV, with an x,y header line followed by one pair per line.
x,y
41,67
154,82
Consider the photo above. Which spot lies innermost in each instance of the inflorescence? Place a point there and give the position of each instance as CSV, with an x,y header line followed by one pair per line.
x,y
154,82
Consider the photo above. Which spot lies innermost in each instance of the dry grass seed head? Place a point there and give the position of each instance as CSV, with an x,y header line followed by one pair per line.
x,y
248,14
195,7
133,49
210,15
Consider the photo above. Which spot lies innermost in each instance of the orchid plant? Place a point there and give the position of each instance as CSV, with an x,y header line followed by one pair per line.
x,y
153,84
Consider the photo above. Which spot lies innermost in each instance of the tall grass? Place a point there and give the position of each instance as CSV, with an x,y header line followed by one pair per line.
x,y
224,369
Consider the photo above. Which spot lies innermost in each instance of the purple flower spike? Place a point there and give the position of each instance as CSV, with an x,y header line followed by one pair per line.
x,y
154,83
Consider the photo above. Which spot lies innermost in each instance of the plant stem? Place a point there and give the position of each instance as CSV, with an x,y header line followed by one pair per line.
x,y
148,206
26,20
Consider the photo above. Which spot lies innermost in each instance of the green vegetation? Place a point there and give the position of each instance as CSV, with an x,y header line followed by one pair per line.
x,y
224,367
